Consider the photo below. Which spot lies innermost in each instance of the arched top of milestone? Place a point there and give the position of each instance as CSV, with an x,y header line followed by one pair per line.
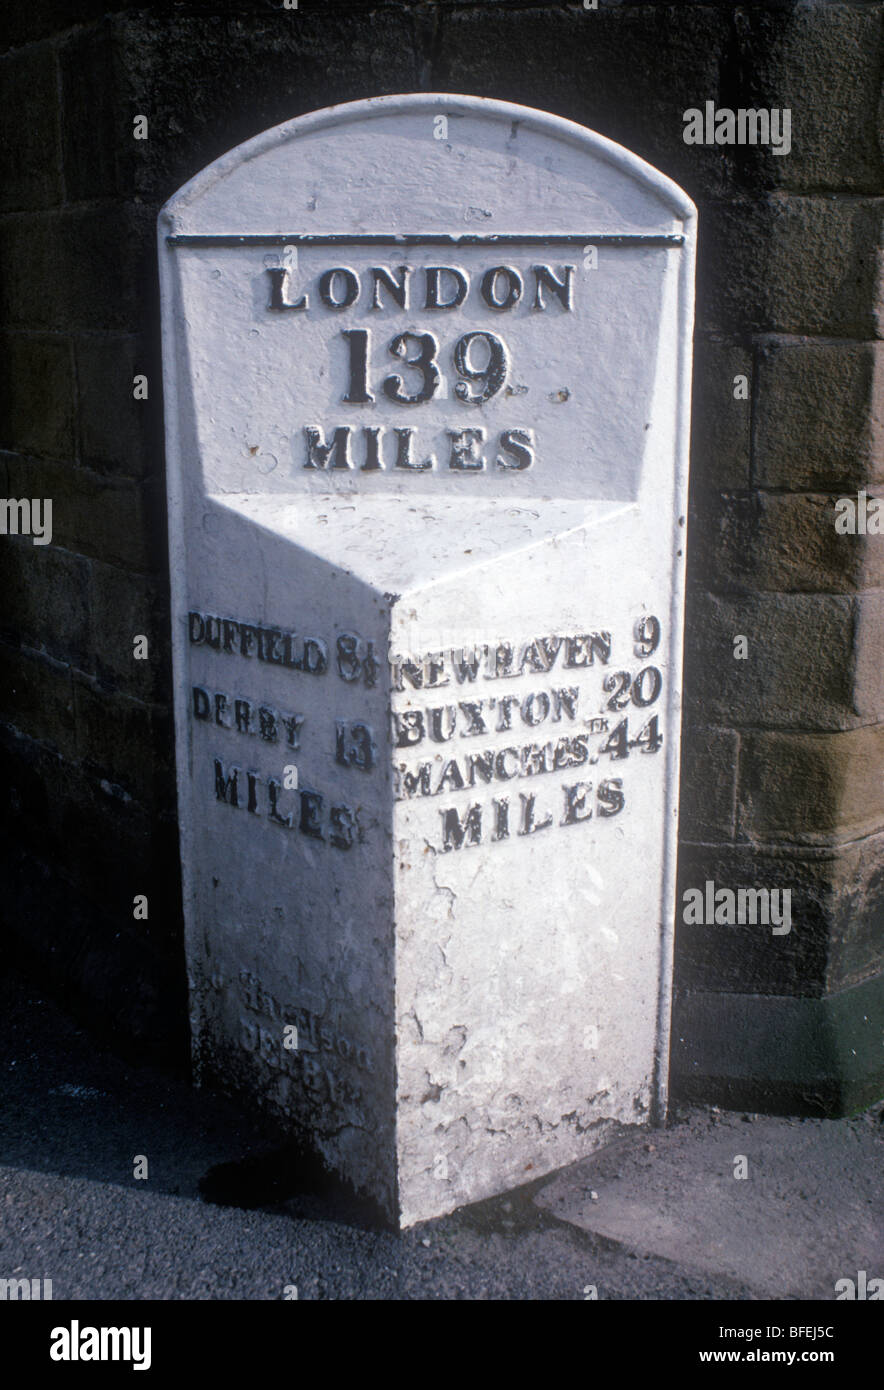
x,y
429,162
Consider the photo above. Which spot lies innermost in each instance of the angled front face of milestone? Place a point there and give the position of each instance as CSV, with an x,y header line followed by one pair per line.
x,y
426,375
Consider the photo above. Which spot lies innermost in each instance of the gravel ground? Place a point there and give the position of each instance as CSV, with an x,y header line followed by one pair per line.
x,y
223,1214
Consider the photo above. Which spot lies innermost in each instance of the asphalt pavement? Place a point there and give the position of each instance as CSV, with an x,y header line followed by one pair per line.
x,y
224,1213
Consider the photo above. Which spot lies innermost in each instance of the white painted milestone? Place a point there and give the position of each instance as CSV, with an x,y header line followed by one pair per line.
x,y
426,392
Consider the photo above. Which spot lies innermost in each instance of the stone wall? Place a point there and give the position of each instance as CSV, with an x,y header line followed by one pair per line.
x,y
783,750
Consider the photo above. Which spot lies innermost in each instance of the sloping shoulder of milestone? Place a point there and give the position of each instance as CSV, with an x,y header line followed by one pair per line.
x,y
667,205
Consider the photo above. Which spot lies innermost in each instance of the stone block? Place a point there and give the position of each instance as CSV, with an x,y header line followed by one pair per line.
x,y
868,664
97,130
36,698
95,516
781,543
856,941
798,669
123,606
780,1055
118,432
811,788
45,603
819,415
823,63
25,24
708,784
125,743
36,395
77,268
30,164
768,264
29,247
721,426
735,954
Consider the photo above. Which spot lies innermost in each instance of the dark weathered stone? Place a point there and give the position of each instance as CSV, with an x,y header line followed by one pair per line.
x,y
30,174
24,24
819,415
868,664
119,434
799,668
811,788
36,394
207,86
73,853
767,265
45,602
123,606
856,938
822,63
36,696
708,784
92,515
773,542
780,1055
836,903
96,154
750,957
119,741
721,423
580,63
75,268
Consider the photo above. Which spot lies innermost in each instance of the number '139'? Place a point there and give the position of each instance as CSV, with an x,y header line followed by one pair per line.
x,y
480,361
